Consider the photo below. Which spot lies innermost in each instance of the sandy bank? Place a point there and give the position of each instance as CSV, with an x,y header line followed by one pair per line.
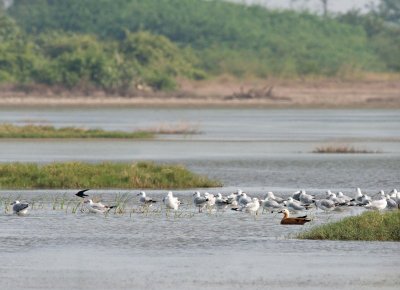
x,y
228,92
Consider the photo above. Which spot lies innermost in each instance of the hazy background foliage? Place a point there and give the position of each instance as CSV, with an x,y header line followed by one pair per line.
x,y
116,45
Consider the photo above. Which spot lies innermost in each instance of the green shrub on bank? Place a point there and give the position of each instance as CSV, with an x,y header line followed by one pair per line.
x,y
103,175
369,226
226,36
82,61
121,45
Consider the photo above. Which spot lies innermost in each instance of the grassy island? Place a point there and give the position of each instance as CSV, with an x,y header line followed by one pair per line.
x,y
40,131
369,226
102,175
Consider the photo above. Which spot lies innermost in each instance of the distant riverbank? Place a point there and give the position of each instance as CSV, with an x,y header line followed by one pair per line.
x,y
227,92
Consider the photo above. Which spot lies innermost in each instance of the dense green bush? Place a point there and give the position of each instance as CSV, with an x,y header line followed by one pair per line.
x,y
228,37
116,44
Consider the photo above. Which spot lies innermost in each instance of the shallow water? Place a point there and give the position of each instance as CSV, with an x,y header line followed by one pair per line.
x,y
256,150
58,249
224,124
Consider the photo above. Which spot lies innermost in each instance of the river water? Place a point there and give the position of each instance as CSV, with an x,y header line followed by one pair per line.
x,y
256,150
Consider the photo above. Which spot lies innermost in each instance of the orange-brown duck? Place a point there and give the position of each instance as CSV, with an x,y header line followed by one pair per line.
x,y
286,220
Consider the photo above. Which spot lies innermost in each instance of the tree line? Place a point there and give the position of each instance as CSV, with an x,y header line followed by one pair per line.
x,y
117,44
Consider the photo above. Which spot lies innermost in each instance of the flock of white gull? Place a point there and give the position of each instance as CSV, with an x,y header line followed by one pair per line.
x,y
240,201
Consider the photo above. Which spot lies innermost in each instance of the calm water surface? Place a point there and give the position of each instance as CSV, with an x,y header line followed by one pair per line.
x,y
256,150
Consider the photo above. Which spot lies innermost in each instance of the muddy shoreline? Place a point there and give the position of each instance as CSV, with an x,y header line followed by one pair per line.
x,y
225,93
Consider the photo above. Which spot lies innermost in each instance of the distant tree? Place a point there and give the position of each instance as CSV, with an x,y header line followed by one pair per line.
x,y
4,4
325,7
8,28
389,10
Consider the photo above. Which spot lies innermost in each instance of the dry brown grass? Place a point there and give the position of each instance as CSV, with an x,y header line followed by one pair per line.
x,y
181,128
362,91
342,149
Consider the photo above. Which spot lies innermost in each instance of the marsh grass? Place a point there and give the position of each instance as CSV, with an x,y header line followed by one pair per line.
x,y
369,226
126,205
103,175
41,131
342,149
181,128
121,201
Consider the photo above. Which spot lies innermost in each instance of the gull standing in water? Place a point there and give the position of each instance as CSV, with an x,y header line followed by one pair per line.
x,y
295,205
391,203
199,201
97,207
145,200
20,208
361,198
325,204
344,197
395,195
221,203
250,207
210,199
379,204
243,199
270,204
232,199
253,206
171,202
337,200
296,195
306,198
271,196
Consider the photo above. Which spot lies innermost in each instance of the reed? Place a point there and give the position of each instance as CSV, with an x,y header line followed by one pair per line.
x,y
103,175
42,132
342,149
181,128
369,226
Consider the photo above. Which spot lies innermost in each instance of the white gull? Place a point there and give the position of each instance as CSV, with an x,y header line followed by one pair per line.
x,y
97,207
171,202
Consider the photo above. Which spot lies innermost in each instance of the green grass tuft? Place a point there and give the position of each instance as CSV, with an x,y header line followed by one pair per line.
x,y
369,226
103,175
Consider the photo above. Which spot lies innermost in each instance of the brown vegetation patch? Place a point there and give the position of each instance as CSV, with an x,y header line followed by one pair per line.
x,y
371,92
342,149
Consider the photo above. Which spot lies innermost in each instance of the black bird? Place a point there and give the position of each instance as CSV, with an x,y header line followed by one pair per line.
x,y
82,193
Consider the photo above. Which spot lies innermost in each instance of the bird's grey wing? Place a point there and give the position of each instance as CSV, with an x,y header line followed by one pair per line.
x,y
20,206
200,200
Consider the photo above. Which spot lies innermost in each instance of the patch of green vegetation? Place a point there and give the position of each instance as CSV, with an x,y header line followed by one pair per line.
x,y
369,226
38,131
103,175
118,45
82,61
